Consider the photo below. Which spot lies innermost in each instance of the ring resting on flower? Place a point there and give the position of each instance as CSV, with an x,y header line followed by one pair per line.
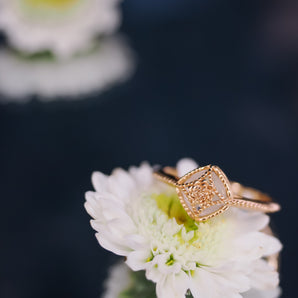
x,y
206,192
142,219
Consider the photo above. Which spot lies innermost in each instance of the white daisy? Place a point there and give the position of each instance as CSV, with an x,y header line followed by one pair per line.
x,y
142,219
110,62
123,282
63,27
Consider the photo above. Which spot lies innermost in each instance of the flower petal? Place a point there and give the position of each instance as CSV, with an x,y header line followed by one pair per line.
x,y
142,175
248,221
173,286
254,293
263,276
136,260
99,181
136,242
108,243
185,165
93,208
207,284
254,245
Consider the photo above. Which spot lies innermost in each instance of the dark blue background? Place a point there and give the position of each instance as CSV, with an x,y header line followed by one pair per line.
x,y
213,83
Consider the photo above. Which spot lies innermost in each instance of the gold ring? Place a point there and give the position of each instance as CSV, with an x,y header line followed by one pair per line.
x,y
206,192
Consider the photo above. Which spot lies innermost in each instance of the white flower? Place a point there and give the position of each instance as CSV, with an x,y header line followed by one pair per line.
x,y
140,218
110,62
63,27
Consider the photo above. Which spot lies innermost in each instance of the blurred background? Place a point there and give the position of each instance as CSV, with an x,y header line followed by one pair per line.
x,y
215,80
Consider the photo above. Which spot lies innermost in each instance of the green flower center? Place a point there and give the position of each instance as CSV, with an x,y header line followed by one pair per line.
x,y
170,204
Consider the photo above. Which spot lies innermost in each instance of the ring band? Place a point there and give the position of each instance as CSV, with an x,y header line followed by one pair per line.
x,y
206,192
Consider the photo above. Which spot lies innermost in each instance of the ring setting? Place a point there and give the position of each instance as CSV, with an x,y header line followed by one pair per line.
x,y
206,192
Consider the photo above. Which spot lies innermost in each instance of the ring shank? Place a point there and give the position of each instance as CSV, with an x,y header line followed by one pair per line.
x,y
168,175
255,198
248,193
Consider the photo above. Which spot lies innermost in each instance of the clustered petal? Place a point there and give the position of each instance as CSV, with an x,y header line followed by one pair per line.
x,y
141,218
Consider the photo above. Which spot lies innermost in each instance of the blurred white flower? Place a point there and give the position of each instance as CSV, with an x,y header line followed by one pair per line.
x,y
118,280
110,62
63,27
123,282
142,219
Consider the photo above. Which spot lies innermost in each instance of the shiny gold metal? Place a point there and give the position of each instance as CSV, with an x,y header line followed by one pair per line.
x,y
206,192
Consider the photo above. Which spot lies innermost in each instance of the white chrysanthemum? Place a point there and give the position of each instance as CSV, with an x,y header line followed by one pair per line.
x,y
61,26
141,218
109,63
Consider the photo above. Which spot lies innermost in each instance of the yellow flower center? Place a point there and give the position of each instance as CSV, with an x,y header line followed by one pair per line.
x,y
170,204
50,4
